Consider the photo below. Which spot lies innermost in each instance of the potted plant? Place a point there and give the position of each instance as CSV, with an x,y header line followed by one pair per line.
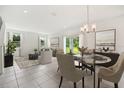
x,y
82,50
11,48
35,51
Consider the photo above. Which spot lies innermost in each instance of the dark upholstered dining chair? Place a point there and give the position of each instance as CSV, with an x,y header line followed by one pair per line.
x,y
114,57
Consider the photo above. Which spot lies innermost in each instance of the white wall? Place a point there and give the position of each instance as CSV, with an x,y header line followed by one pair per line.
x,y
90,40
81,36
116,23
29,41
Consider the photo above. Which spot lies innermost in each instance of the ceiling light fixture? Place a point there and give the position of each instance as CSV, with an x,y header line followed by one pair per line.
x,y
25,11
87,28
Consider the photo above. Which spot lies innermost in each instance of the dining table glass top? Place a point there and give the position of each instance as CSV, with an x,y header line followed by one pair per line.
x,y
93,58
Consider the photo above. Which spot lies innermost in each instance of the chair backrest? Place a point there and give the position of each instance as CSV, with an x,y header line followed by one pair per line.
x,y
118,68
60,51
114,57
66,65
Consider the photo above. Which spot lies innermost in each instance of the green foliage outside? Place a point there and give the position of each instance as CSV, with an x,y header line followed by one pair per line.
x,y
76,42
75,50
16,40
67,50
75,45
67,42
42,42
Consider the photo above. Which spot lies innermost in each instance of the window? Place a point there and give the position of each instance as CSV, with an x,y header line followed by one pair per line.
x,y
16,39
67,45
72,44
42,42
75,45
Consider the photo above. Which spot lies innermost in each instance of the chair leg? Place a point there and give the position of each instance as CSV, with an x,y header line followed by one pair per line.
x,y
79,65
86,70
91,70
99,79
116,85
61,81
82,67
83,82
57,69
74,84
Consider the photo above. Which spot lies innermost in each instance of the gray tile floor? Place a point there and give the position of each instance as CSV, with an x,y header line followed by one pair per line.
x,y
42,76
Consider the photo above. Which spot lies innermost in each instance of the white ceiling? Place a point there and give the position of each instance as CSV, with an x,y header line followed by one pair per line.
x,y
52,18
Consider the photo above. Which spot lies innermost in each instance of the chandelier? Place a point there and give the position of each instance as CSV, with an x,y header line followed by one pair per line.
x,y
88,27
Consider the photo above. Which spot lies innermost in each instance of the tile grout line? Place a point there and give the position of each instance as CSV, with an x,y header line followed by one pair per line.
x,y
16,77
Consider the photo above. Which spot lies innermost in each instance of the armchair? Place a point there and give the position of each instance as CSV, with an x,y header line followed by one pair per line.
x,y
113,73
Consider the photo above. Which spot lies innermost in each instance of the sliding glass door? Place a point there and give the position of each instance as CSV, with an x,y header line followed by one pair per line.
x,y
75,45
72,44
67,45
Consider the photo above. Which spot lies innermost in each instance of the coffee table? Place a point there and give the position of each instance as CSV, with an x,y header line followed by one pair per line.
x,y
33,56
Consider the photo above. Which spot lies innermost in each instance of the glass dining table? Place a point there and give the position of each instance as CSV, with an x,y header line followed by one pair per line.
x,y
90,61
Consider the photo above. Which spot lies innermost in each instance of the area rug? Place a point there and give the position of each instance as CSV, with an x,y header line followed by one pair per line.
x,y
25,63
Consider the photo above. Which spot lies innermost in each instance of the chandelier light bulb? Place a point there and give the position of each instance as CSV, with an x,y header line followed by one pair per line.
x,y
86,28
82,29
94,27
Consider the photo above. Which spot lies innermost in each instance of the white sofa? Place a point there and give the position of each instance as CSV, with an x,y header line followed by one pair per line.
x,y
45,57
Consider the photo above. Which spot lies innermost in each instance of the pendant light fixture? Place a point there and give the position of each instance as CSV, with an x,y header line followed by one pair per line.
x,y
87,27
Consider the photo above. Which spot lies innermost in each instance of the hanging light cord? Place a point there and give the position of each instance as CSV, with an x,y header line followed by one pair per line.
x,y
87,28
88,16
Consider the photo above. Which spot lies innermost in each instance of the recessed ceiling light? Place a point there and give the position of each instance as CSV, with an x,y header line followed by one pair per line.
x,y
25,11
